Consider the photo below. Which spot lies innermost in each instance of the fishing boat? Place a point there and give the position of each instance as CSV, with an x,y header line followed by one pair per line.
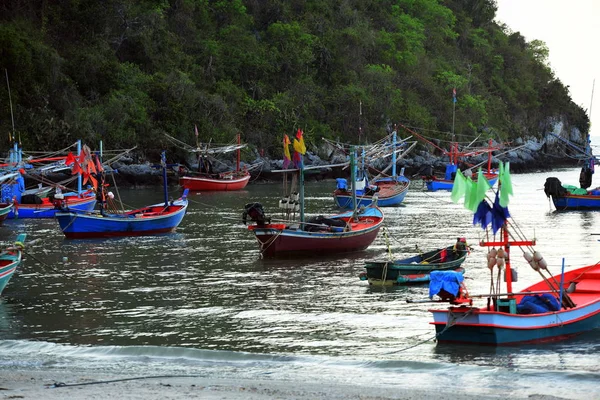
x,y
416,269
456,157
154,219
567,197
43,202
205,179
559,306
10,259
294,234
384,191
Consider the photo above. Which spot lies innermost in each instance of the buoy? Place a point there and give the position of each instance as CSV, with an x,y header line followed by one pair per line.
x,y
492,258
500,258
110,195
539,259
527,255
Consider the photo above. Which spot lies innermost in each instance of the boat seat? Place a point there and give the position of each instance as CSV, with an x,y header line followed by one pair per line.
x,y
588,286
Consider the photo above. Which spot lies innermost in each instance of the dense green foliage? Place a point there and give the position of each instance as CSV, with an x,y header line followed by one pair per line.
x,y
127,71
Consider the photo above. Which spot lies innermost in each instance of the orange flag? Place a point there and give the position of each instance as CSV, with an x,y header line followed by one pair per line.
x,y
299,145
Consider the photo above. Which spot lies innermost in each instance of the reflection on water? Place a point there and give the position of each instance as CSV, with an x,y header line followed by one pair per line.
x,y
205,287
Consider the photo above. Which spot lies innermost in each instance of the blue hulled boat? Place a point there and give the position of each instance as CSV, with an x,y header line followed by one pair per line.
x,y
154,219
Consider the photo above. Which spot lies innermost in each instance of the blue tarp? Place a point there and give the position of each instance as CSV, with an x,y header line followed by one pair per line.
x,y
448,280
537,304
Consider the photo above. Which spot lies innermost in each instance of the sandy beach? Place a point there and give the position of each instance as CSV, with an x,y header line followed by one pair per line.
x,y
32,384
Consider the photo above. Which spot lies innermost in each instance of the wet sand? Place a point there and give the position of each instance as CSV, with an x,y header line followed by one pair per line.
x,y
35,384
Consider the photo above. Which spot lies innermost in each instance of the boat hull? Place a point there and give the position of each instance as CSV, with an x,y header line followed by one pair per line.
x,y
5,209
442,184
506,326
390,194
280,239
10,259
84,225
577,202
214,184
48,209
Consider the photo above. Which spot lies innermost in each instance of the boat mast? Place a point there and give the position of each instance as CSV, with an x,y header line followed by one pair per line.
x,y
454,158
490,156
163,163
301,190
237,166
353,175
394,154
79,174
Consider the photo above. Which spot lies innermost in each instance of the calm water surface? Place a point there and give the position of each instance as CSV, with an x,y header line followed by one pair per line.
x,y
202,300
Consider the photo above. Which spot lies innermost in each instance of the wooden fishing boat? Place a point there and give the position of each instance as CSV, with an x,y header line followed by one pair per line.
x,y
154,219
205,180
10,259
345,232
383,191
569,197
415,269
149,220
47,207
229,181
44,202
339,233
557,307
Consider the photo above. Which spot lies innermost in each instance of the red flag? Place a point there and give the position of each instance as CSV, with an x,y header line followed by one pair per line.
x,y
76,168
98,164
70,159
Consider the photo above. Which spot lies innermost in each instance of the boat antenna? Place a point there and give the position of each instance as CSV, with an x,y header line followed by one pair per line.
x,y
359,121
11,107
453,111
163,163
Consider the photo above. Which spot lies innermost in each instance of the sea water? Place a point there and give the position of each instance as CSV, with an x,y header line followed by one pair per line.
x,y
201,301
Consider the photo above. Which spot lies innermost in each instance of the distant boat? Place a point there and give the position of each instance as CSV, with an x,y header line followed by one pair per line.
x,y
44,202
10,259
207,180
435,183
345,232
384,191
154,219
569,197
415,269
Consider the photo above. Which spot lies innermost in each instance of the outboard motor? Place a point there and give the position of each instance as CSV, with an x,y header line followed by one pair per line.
x,y
256,213
553,187
585,177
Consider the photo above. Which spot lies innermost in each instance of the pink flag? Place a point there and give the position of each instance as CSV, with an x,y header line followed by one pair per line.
x,y
196,130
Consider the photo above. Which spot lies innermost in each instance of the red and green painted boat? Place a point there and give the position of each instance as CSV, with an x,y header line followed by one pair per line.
x,y
415,269
10,259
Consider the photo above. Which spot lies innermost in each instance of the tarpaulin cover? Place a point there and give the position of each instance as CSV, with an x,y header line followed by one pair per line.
x,y
448,280
537,304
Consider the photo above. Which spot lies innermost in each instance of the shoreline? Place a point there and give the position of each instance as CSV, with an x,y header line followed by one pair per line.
x,y
38,384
